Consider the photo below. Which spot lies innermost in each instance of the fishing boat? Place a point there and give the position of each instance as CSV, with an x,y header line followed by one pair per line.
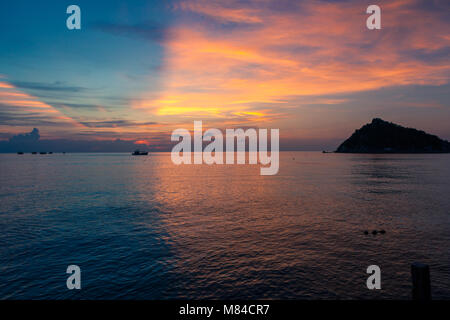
x,y
139,153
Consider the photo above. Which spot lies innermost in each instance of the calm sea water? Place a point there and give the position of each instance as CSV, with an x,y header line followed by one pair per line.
x,y
143,228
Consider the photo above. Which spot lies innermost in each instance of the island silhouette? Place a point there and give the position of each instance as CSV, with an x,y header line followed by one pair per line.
x,y
381,136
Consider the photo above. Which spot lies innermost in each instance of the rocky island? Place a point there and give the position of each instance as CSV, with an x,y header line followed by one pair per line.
x,y
381,136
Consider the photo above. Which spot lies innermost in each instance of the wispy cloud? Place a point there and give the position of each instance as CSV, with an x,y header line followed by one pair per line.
x,y
21,103
55,86
117,124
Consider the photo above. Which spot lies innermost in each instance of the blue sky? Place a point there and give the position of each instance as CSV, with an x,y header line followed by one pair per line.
x,y
84,68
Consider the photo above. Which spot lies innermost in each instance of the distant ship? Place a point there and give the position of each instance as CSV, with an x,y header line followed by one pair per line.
x,y
139,153
20,152
43,152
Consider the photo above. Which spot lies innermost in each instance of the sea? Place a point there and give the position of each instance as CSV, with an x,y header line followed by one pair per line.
x,y
140,227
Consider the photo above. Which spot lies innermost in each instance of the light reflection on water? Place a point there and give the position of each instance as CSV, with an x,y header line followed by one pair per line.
x,y
143,228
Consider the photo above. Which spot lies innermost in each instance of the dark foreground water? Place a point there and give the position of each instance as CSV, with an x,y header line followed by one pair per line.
x,y
143,228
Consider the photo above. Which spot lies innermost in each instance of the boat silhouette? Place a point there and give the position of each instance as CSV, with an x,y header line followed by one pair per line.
x,y
139,153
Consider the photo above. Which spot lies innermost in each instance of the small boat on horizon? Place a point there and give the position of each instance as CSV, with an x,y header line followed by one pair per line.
x,y
42,152
19,152
139,153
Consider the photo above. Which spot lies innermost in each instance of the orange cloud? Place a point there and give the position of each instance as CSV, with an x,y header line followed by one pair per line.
x,y
316,48
22,105
5,85
145,142
19,99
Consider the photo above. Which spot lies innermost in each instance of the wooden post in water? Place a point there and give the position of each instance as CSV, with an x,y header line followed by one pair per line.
x,y
421,281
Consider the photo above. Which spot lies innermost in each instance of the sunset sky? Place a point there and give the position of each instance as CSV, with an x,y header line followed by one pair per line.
x,y
139,69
